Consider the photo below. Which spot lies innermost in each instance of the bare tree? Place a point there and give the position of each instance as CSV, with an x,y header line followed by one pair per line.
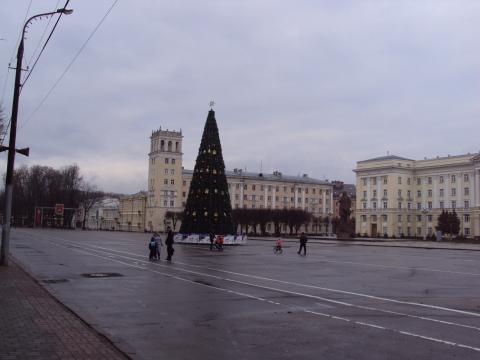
x,y
175,216
89,195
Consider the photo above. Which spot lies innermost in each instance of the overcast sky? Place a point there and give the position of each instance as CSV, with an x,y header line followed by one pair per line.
x,y
299,86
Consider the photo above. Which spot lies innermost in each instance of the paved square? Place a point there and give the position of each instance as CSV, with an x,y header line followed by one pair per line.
x,y
338,302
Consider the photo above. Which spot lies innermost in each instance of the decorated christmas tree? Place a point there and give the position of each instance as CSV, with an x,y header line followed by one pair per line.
x,y
208,207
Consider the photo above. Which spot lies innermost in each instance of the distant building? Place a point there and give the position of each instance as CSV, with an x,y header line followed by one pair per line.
x,y
169,183
399,196
132,212
103,215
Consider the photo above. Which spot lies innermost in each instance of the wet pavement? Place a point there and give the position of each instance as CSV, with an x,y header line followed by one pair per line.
x,y
341,301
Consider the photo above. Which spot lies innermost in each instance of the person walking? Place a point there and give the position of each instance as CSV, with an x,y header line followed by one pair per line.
x,y
212,239
158,244
153,249
303,244
169,243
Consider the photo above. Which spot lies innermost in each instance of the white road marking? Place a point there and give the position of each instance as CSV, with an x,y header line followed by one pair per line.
x,y
294,293
446,342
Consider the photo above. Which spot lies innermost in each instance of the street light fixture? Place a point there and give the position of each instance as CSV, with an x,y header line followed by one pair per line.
x,y
4,250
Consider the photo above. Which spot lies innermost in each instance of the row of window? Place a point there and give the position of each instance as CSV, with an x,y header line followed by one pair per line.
x,y
429,218
453,205
169,145
428,179
153,160
312,209
453,191
277,188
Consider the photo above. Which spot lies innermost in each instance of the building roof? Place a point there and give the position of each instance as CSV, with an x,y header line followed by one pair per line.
x,y
387,157
276,176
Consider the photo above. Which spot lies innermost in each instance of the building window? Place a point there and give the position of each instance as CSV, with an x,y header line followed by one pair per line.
x,y
465,177
374,193
429,218
245,187
419,206
237,186
419,231
385,180
454,204
399,218
467,231
454,179
166,160
454,192
313,191
244,197
466,217
172,171
165,181
466,191
419,218
184,194
399,205
419,193
184,183
374,204
253,197
364,205
442,205
165,203
374,218
269,187
429,180
441,192
399,193
409,194
173,161
171,202
299,190
172,182
399,180
261,197
364,218
292,199
374,180
430,193
419,181
253,187
299,200
384,218
364,194
165,171
408,181
384,193
430,205
466,204
262,188
409,206
441,180
364,181
385,205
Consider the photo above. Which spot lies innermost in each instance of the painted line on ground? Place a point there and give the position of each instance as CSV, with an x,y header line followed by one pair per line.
x,y
445,342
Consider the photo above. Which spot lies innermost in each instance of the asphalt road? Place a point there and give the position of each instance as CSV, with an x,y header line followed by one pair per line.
x,y
338,302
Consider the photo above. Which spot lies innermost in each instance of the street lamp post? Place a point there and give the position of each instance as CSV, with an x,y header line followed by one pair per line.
x,y
424,212
11,145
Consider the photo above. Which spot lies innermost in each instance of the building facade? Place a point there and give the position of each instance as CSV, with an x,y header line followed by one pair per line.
x,y
104,215
403,197
132,209
169,183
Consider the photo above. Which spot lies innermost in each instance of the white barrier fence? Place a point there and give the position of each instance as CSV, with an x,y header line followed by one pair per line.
x,y
205,239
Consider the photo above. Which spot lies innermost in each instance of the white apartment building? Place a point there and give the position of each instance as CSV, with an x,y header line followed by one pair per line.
x,y
398,196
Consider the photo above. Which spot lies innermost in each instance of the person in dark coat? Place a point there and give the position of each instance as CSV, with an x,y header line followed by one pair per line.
x,y
169,243
303,244
152,246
